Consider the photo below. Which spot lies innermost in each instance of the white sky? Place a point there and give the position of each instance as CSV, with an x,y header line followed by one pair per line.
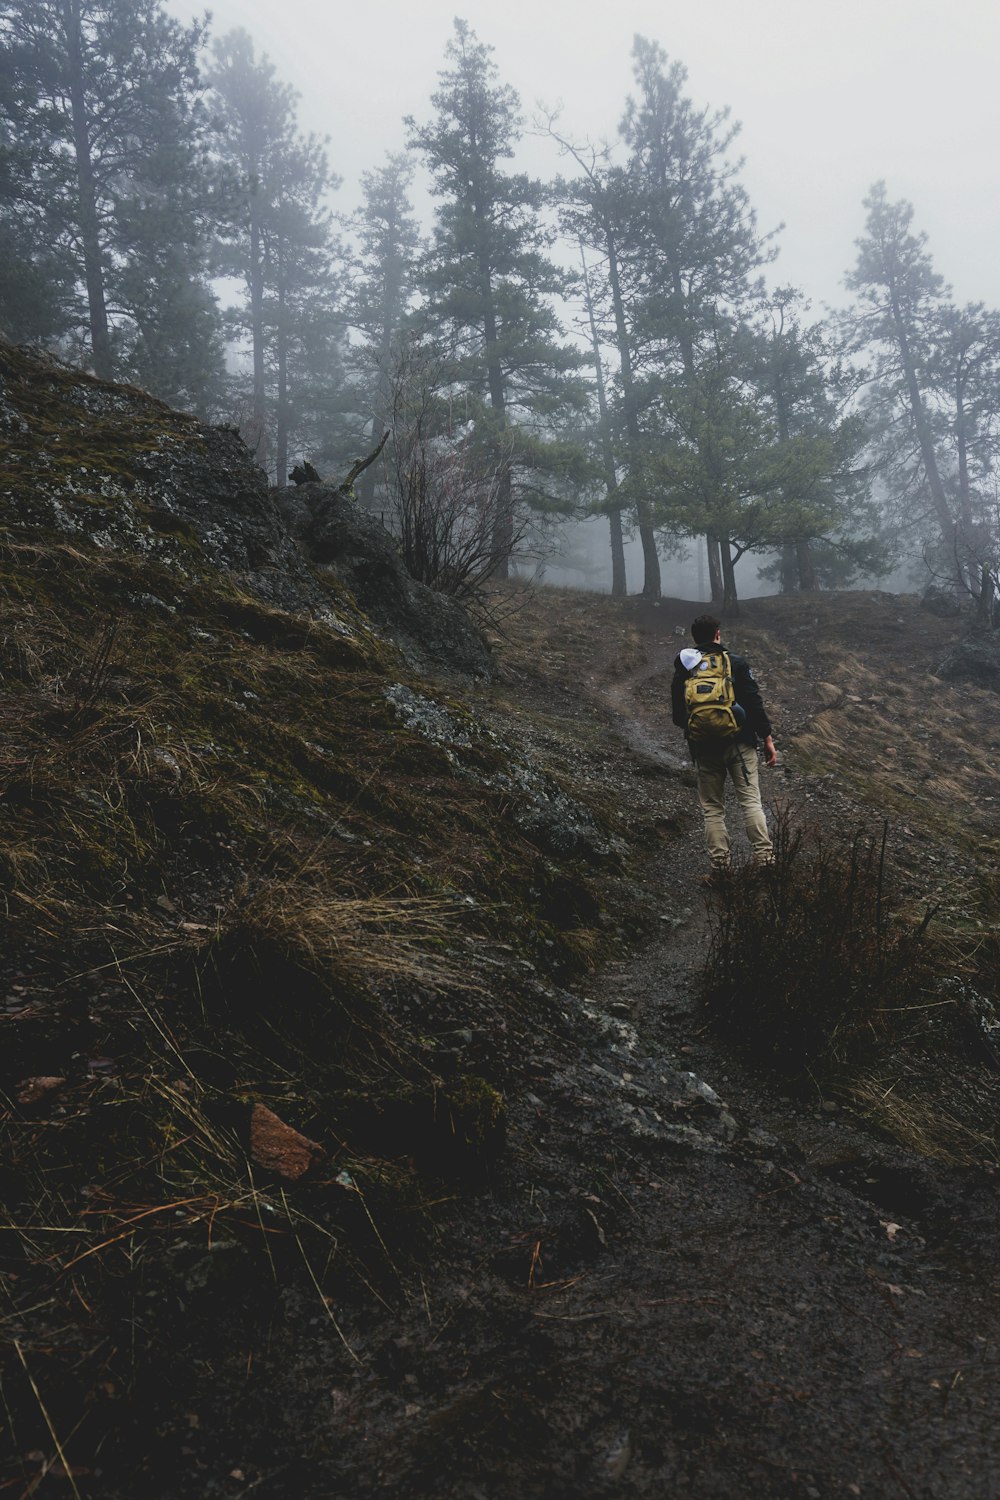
x,y
832,95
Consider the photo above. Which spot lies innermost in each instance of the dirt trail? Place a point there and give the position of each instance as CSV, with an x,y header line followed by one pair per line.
x,y
647,733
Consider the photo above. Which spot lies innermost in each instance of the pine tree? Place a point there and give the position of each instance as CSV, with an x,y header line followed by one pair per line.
x,y
384,272
935,394
963,372
691,257
900,295
104,95
280,243
596,210
488,281
818,511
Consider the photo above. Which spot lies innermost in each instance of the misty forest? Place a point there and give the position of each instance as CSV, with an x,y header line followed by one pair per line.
x,y
606,343
405,1089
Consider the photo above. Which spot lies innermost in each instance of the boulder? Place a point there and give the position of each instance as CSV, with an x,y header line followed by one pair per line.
x,y
940,601
432,630
113,467
975,659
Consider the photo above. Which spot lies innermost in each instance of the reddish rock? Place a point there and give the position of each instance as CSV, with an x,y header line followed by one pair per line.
x,y
276,1147
32,1090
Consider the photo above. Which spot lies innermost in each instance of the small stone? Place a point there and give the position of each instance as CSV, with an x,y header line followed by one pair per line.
x,y
278,1147
31,1090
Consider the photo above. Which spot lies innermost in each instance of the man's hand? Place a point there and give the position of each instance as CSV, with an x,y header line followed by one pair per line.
x,y
770,754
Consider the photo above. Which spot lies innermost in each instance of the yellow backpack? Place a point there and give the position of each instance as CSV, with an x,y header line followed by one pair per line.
x,y
713,715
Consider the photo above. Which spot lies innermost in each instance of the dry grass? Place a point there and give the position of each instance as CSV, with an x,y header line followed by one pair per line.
x,y
390,937
936,766
902,1109
809,965
224,886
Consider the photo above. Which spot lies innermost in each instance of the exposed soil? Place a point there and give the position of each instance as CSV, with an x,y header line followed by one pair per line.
x,y
678,1278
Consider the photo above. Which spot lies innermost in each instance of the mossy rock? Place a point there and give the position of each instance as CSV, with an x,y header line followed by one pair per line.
x,y
472,1121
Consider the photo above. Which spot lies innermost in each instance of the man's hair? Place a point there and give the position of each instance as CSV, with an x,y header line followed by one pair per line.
x,y
703,630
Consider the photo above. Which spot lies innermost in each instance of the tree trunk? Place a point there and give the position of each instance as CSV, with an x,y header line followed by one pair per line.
x,y
381,402
967,564
789,569
618,582
366,493
984,598
281,423
730,601
90,238
925,437
796,557
619,587
651,585
503,529
807,573
715,579
259,411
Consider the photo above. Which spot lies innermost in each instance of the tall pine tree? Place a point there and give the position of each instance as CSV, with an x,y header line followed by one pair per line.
x,y
934,396
104,95
489,282
816,509
382,286
596,210
693,252
280,244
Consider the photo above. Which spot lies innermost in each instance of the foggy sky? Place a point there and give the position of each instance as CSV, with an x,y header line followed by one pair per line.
x,y
831,96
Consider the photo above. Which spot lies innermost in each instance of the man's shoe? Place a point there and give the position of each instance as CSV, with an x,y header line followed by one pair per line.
x,y
716,881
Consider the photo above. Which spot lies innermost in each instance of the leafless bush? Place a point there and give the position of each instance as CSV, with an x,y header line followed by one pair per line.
x,y
809,963
449,492
252,426
971,566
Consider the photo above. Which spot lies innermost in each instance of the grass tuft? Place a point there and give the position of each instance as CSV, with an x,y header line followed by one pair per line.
x,y
810,966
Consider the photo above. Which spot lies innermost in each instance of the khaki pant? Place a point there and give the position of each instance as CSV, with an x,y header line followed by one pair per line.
x,y
740,763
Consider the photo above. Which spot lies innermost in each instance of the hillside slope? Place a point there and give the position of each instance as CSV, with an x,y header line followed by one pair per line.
x,y
364,1132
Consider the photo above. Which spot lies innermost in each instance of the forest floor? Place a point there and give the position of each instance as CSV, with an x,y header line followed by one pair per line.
x,y
782,1297
683,1276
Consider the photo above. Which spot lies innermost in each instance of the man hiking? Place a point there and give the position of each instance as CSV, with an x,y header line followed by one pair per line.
x,y
717,703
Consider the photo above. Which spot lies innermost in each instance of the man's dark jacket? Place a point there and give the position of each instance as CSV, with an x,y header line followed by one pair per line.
x,y
744,686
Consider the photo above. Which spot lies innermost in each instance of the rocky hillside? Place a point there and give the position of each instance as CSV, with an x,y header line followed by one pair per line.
x,y
364,1132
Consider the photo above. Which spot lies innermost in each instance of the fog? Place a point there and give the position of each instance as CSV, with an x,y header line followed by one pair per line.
x,y
579,559
830,97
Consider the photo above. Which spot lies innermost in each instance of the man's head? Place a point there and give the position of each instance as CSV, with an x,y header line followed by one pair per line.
x,y
705,630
